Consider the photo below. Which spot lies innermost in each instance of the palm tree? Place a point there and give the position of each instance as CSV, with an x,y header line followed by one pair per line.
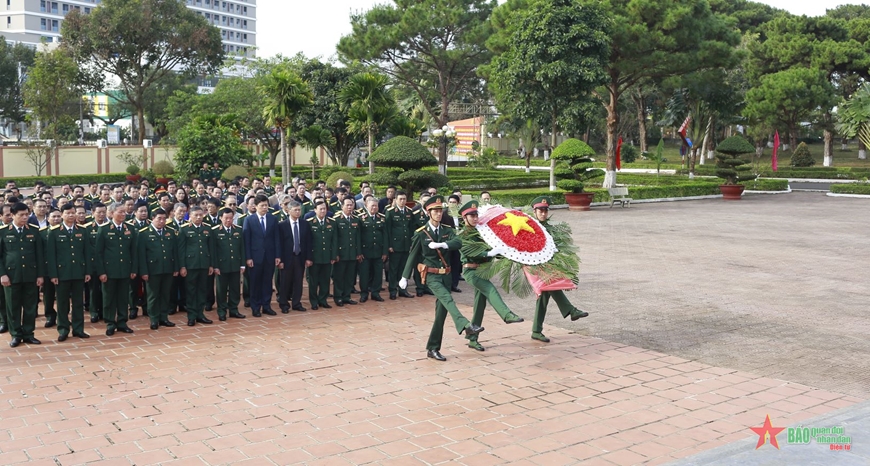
x,y
369,105
286,96
313,137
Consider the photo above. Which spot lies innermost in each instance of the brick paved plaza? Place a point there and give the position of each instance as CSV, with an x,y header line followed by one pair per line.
x,y
706,316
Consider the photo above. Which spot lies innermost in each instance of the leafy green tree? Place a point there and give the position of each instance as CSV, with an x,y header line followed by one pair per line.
x,y
52,91
12,59
208,138
286,95
140,42
156,97
431,46
313,137
658,40
369,105
554,58
853,116
790,97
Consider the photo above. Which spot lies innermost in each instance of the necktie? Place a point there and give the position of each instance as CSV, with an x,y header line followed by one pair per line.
x,y
119,228
70,231
228,231
436,232
295,238
263,223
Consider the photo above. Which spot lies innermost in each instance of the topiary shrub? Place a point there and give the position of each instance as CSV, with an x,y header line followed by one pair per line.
x,y
628,153
802,157
403,152
416,180
132,169
233,171
163,167
332,181
730,162
383,178
576,155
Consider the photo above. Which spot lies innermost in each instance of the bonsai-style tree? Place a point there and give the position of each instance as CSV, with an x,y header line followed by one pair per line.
x,y
576,154
802,157
730,163
410,156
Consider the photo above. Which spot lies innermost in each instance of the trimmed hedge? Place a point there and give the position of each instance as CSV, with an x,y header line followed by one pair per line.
x,y
851,188
766,185
521,197
29,181
828,173
481,184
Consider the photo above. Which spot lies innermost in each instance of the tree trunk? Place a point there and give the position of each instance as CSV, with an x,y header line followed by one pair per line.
x,y
862,150
371,149
610,139
140,117
553,159
285,167
442,149
442,156
828,161
792,137
693,155
640,103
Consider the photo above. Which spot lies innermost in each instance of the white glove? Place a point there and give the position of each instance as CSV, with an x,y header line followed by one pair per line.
x,y
496,251
434,245
403,283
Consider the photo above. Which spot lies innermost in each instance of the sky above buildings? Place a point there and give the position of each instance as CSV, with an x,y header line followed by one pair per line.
x,y
314,27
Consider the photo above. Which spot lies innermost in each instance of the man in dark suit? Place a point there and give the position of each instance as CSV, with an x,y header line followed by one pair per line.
x,y
296,254
263,253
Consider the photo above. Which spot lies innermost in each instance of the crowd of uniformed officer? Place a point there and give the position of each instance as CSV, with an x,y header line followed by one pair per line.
x,y
109,250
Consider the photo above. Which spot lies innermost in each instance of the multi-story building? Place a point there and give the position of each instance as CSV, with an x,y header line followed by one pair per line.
x,y
34,21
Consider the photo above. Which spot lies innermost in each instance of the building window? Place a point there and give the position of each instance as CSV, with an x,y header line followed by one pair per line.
x,y
54,25
43,24
65,8
42,6
8,21
87,11
54,7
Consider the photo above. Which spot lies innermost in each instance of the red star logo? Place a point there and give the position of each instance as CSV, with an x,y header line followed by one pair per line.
x,y
766,429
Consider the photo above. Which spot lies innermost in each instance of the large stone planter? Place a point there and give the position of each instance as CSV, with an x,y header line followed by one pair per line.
x,y
731,192
579,201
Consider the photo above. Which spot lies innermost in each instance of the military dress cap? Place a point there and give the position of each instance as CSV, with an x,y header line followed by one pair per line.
x,y
542,202
469,208
434,202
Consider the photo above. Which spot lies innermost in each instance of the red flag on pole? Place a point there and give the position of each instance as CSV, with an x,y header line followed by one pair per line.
x,y
773,161
683,129
618,150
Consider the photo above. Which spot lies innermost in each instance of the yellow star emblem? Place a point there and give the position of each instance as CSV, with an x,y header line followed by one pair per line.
x,y
517,223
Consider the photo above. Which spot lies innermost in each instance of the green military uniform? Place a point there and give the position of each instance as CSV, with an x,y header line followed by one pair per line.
x,y
349,248
95,287
565,307
228,257
195,256
323,242
116,259
137,286
269,190
23,262
438,278
400,228
157,252
420,219
471,257
373,234
49,291
205,175
68,260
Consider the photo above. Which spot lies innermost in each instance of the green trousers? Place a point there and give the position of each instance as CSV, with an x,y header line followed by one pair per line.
x,y
49,297
197,287
343,278
395,265
444,304
157,293
96,289
22,300
116,297
2,306
318,283
565,307
371,276
70,293
134,295
228,294
484,291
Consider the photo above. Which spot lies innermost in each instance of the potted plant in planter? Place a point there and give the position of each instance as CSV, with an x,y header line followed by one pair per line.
x,y
576,155
731,164
162,170
133,173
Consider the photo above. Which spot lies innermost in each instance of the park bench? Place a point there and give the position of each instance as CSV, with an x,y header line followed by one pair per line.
x,y
619,195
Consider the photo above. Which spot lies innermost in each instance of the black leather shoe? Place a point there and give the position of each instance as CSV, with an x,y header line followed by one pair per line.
x,y
472,329
405,294
354,290
300,309
95,319
436,355
134,313
247,304
61,338
269,312
3,329
81,335
15,342
31,341
326,306
203,320
350,301
314,307
419,294
455,289
50,322
191,323
284,310
392,297
377,298
172,312
257,314
339,304
155,326
577,314
236,315
222,318
166,323
362,298
110,332
125,330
